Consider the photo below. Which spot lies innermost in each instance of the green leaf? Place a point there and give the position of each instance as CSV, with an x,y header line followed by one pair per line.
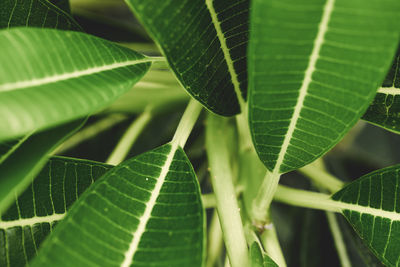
x,y
314,67
371,205
37,13
385,109
205,44
34,215
26,158
259,258
146,211
70,74
62,4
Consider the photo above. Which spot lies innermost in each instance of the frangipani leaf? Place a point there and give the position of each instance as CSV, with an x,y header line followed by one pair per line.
x,y
147,211
52,77
314,67
25,159
371,205
385,109
205,44
33,216
258,258
36,13
62,4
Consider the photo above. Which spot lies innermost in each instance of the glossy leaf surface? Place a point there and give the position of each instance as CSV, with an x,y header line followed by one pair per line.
x,y
146,211
314,67
385,109
52,77
22,162
37,13
372,206
205,44
34,215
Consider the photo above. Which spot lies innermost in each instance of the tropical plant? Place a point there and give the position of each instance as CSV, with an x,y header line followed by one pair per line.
x,y
282,85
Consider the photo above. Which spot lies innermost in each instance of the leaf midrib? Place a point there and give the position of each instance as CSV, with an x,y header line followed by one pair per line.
x,y
70,75
227,55
318,42
32,221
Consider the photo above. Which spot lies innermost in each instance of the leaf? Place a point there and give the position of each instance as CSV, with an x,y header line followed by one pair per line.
x,y
314,67
62,4
146,211
34,215
259,258
205,44
70,74
371,206
37,13
385,109
26,158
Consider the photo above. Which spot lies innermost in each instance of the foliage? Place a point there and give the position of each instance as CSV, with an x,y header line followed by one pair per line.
x,y
288,87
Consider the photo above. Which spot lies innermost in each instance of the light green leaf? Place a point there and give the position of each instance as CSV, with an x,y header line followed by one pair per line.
x,y
371,205
146,211
37,13
314,67
205,44
34,215
52,77
385,109
258,258
21,163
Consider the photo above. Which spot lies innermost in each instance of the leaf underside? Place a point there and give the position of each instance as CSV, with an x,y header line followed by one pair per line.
x,y
188,37
385,109
37,13
32,217
374,212
65,76
306,92
126,218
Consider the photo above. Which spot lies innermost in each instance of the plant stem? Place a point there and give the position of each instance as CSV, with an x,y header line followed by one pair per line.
x,y
221,179
132,133
270,241
215,242
209,201
264,198
322,177
338,239
187,123
306,199
91,131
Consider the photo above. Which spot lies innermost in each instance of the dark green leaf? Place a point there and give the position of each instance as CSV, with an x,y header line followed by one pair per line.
x,y
36,13
33,216
62,4
371,205
314,67
146,211
52,77
205,44
26,158
385,109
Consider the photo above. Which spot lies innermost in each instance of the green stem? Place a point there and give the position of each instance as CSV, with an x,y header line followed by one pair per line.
x,y
132,133
271,244
306,199
261,203
91,131
209,201
215,242
227,205
338,239
321,177
187,123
